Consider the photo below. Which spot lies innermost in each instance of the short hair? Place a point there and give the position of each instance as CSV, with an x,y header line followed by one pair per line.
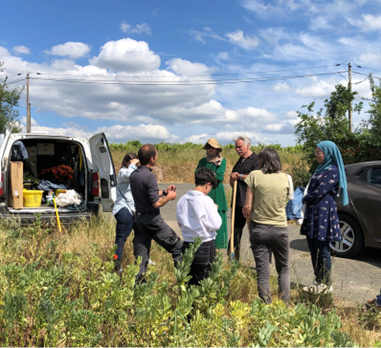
x,y
203,176
146,152
270,159
129,157
246,140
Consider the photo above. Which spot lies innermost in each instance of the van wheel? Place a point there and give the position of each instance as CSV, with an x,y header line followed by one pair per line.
x,y
352,238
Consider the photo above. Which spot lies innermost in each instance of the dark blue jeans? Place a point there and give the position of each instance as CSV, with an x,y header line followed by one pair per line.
x,y
124,222
321,260
378,299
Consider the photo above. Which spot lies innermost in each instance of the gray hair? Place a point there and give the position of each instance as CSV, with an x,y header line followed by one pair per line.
x,y
246,140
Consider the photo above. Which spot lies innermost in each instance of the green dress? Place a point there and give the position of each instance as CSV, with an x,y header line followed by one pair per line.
x,y
219,198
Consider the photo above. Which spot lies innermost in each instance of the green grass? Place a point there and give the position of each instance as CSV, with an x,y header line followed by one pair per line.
x,y
59,289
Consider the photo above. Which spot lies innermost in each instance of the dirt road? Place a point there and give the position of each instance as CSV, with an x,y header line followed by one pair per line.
x,y
353,280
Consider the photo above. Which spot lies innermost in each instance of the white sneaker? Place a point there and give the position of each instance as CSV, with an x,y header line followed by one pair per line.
x,y
316,288
313,288
324,288
150,262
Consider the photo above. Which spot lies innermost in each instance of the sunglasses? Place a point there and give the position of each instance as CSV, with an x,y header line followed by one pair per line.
x,y
209,147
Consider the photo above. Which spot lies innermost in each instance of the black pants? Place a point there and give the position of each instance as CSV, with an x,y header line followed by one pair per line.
x,y
201,265
239,224
148,228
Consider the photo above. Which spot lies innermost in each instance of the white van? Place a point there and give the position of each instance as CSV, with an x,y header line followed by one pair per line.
x,y
96,182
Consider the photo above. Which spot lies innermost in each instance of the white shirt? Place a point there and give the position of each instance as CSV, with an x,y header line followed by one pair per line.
x,y
197,216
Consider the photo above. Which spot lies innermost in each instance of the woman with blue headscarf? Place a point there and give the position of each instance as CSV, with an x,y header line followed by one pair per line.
x,y
321,221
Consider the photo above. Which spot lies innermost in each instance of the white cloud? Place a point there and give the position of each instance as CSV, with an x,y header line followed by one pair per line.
x,y
117,133
283,8
319,22
282,87
72,50
318,89
227,137
185,67
143,28
21,49
370,22
371,57
126,55
124,26
202,35
247,42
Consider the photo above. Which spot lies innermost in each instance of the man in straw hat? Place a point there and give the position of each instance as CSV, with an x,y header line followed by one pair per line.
x,y
247,162
217,164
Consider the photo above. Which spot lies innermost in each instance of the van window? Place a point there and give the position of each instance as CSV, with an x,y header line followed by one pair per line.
x,y
2,136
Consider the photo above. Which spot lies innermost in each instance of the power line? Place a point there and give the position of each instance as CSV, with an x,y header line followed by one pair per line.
x,y
184,83
203,75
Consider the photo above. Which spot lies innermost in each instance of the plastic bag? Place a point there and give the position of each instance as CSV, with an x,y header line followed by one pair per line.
x,y
69,198
294,206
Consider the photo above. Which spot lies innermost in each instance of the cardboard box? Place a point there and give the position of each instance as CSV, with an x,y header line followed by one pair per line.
x,y
45,149
15,196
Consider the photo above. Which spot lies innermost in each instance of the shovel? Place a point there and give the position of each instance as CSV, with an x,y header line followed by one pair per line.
x,y
58,218
232,220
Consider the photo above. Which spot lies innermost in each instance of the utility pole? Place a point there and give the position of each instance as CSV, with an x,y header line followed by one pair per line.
x,y
28,122
350,89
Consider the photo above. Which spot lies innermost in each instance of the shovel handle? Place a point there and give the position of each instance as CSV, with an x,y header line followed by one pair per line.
x,y
233,217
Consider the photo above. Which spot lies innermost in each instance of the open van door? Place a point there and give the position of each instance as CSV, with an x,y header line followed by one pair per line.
x,y
104,165
4,139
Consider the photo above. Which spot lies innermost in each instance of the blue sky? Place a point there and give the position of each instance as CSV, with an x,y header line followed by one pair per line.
x,y
158,70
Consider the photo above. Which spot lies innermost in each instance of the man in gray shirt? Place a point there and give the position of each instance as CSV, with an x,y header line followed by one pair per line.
x,y
148,222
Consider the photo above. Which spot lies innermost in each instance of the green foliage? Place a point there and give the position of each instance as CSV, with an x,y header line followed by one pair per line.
x,y
332,124
49,297
9,100
374,121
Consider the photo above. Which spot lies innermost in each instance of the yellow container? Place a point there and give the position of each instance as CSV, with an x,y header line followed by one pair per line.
x,y
32,198
58,191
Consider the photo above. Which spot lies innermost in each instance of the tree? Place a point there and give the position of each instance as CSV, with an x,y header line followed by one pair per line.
x,y
374,121
340,101
9,101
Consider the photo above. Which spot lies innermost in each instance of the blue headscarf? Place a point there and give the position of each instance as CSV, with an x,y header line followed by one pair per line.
x,y
332,156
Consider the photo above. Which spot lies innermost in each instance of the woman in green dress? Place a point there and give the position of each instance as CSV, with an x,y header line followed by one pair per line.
x,y
217,164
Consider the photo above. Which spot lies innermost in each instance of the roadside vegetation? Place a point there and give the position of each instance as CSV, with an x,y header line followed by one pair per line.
x,y
177,162
59,289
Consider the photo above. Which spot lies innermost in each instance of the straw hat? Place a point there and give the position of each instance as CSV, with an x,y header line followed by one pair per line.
x,y
213,143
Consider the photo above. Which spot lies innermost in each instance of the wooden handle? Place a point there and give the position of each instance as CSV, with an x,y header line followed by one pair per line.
x,y
233,217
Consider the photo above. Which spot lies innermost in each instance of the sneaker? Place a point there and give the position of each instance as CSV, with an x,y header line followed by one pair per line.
x,y
150,262
120,271
371,304
324,288
311,288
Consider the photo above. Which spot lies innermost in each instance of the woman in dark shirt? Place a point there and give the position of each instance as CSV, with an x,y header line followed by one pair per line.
x,y
321,222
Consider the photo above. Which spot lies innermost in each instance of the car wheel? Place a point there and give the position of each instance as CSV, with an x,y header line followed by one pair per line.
x,y
352,238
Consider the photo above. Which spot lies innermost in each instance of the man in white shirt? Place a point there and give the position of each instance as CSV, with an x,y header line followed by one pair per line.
x,y
198,216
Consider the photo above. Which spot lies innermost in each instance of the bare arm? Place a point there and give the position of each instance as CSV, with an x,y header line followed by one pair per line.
x,y
248,208
163,200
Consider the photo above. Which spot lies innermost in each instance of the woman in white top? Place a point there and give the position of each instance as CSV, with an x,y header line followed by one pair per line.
x,y
124,206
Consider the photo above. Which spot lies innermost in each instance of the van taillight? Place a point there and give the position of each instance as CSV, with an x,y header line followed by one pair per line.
x,y
2,185
95,190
